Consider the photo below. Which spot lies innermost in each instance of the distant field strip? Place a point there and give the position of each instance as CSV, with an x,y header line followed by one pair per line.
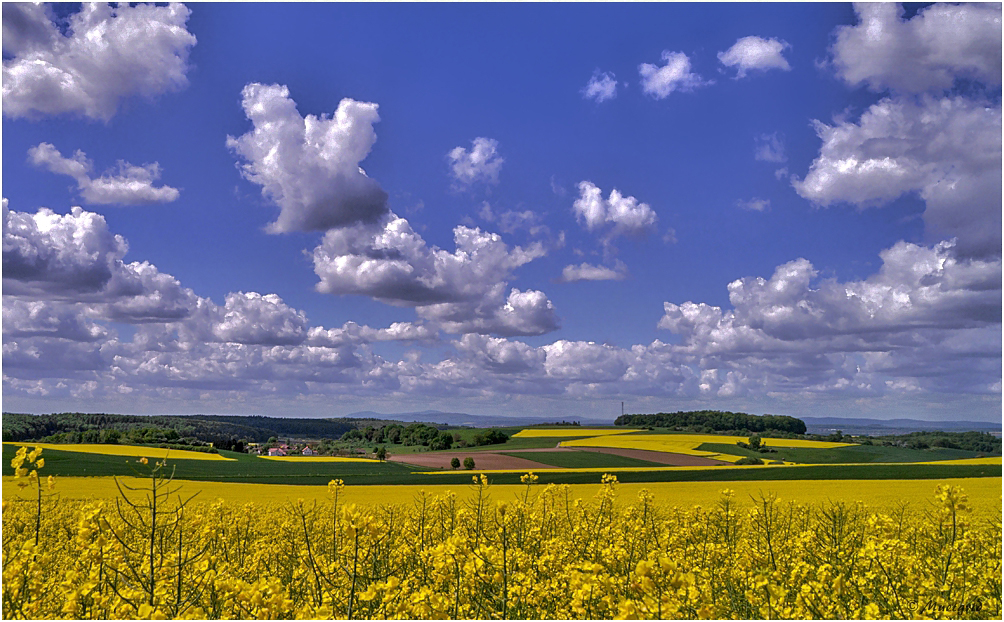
x,y
566,432
688,443
126,450
989,460
984,492
316,459
615,469
729,467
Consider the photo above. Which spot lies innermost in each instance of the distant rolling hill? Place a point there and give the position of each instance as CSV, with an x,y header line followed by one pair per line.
x,y
826,425
478,421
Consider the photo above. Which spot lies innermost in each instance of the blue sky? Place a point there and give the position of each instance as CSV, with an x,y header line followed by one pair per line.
x,y
618,177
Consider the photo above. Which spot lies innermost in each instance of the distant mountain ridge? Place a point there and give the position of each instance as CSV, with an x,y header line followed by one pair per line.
x,y
824,425
455,418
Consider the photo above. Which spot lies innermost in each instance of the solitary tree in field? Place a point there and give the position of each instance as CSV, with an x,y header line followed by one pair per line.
x,y
468,463
755,442
381,453
455,463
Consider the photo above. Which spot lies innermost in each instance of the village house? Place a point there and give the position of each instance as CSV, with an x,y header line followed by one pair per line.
x,y
307,451
277,451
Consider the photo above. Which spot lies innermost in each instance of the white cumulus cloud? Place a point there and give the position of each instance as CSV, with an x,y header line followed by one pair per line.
x,y
755,53
619,214
108,54
928,52
131,185
944,147
947,150
601,87
926,319
481,163
309,166
40,318
249,317
675,75
75,258
464,290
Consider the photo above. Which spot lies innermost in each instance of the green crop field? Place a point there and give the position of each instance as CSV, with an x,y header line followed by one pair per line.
x,y
243,468
853,454
579,459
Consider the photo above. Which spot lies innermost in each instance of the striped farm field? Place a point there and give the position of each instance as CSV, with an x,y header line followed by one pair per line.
x,y
688,443
127,450
316,459
987,460
568,432
984,492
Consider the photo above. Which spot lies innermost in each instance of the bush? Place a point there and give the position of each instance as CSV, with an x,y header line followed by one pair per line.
x,y
468,463
749,460
455,463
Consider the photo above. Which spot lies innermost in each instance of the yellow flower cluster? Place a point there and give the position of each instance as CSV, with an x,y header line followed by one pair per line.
x,y
545,554
30,472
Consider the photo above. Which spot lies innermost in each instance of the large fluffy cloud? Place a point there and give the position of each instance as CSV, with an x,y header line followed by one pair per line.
x,y
48,254
40,318
927,52
755,53
617,214
944,147
132,185
309,166
527,312
249,317
62,272
948,150
66,287
74,258
675,75
108,54
926,320
464,290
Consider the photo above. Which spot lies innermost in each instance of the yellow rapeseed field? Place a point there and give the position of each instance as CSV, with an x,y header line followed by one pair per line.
x,y
317,459
127,450
688,443
526,552
984,492
570,431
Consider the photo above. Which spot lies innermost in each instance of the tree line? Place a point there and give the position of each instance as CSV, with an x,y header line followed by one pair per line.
x,y
715,421
422,434
216,429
